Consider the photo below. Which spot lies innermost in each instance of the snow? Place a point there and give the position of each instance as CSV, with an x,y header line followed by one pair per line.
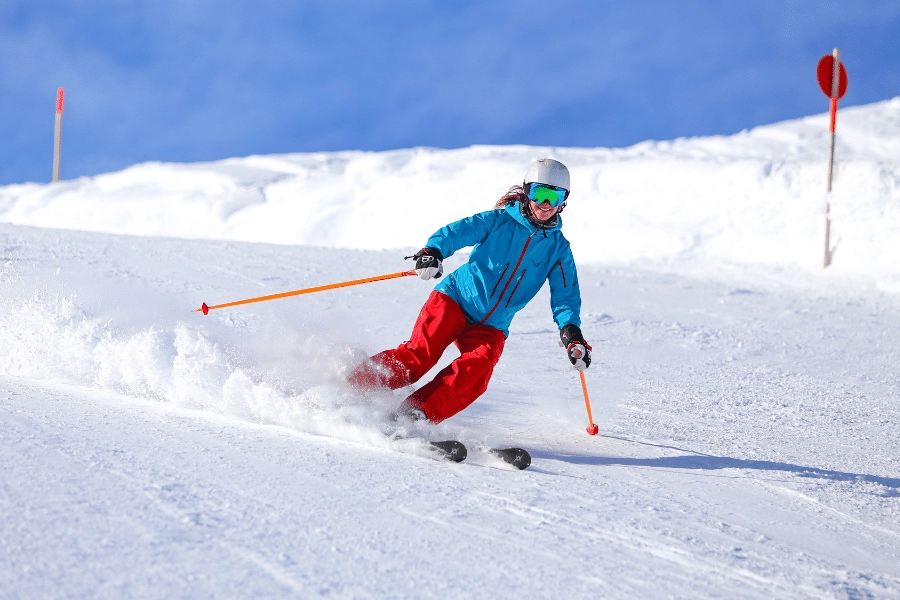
x,y
755,197
747,399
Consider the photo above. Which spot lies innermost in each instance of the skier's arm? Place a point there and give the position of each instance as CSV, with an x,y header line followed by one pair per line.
x,y
463,233
565,300
565,295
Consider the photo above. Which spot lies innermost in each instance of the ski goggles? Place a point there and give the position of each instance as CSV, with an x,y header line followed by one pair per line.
x,y
541,192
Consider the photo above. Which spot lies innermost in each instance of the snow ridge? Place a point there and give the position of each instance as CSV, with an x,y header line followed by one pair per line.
x,y
756,197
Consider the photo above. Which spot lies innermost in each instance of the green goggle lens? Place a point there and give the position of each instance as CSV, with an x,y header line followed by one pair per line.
x,y
539,192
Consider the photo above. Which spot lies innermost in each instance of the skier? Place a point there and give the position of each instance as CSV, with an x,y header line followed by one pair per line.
x,y
517,246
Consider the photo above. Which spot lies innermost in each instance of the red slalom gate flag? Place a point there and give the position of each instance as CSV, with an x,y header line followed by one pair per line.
x,y
832,78
824,73
833,84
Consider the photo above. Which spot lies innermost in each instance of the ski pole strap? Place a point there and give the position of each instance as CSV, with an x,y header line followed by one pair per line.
x,y
320,288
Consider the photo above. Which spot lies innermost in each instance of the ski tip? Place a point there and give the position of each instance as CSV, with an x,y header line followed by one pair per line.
x,y
451,450
517,457
592,430
204,309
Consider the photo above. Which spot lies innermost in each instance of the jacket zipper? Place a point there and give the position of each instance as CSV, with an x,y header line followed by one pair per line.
x,y
562,272
513,293
513,274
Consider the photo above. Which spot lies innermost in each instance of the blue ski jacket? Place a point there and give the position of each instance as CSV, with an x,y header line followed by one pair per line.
x,y
509,264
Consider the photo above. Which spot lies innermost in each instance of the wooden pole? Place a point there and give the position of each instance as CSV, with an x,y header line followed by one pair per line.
x,y
827,235
57,133
835,80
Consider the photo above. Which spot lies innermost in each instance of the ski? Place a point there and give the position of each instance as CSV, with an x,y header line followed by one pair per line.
x,y
517,457
450,450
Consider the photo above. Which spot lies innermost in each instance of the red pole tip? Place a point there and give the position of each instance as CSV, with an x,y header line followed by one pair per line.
x,y
593,430
60,97
205,309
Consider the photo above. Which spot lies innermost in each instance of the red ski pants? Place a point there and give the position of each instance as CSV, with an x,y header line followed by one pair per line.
x,y
440,323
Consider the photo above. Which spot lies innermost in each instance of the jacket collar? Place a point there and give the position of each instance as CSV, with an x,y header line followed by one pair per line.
x,y
516,212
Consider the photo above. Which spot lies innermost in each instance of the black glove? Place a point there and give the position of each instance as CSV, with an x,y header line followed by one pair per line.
x,y
579,351
428,263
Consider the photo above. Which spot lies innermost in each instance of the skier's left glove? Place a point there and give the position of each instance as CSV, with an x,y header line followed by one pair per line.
x,y
579,351
428,263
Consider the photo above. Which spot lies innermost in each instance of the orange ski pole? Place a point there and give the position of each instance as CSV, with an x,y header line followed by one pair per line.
x,y
592,429
320,288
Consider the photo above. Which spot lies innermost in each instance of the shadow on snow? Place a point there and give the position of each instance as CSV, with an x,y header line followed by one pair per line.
x,y
707,462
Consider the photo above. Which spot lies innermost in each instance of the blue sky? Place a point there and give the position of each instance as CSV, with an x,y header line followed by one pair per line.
x,y
195,80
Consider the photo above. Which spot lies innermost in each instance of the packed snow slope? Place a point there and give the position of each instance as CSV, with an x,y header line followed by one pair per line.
x,y
754,197
748,442
747,399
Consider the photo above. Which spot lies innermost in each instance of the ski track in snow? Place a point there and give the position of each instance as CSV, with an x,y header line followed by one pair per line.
x,y
748,440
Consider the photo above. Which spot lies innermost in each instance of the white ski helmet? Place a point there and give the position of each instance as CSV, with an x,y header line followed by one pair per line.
x,y
549,172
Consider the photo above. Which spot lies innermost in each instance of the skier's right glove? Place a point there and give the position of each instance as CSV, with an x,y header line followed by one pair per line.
x,y
579,351
428,263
